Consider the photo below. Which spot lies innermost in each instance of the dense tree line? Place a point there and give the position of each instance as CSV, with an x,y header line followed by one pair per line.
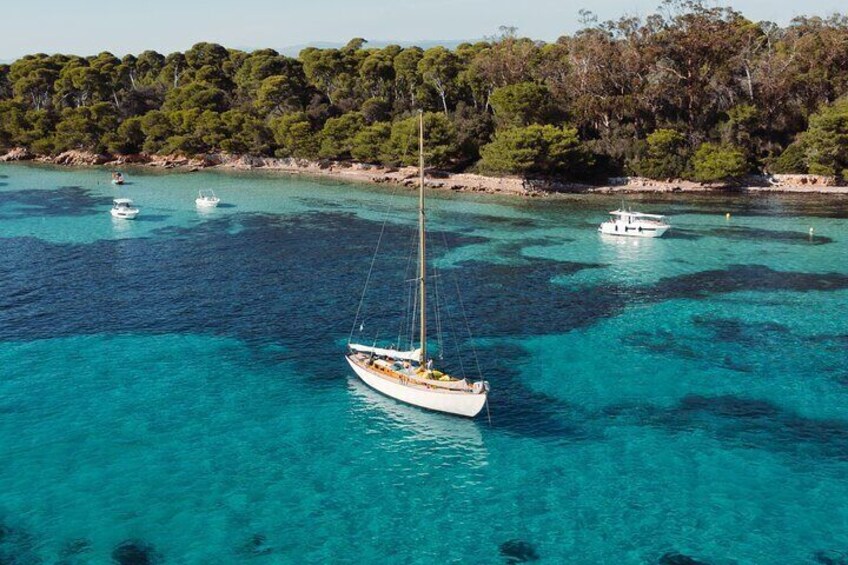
x,y
693,91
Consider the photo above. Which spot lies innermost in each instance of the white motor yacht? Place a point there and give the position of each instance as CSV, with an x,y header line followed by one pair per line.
x,y
634,224
123,209
207,199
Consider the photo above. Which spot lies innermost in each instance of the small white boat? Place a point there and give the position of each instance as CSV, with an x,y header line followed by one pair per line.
x,y
409,376
207,199
634,224
123,209
117,178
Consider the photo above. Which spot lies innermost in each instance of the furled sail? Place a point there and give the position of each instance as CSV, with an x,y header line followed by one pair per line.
x,y
414,355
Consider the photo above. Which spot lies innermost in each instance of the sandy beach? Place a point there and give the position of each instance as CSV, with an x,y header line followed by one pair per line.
x,y
408,176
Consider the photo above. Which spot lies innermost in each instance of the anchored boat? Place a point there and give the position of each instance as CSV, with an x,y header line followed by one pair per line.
x,y
409,375
123,209
634,224
206,199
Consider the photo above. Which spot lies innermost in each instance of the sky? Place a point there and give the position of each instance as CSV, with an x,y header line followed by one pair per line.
x,y
85,27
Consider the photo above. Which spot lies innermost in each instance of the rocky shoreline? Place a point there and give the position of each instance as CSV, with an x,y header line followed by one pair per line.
x,y
408,176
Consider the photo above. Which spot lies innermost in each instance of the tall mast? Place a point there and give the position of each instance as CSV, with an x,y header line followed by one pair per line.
x,y
422,242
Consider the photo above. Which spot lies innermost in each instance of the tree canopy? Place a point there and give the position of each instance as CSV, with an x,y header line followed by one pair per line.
x,y
694,90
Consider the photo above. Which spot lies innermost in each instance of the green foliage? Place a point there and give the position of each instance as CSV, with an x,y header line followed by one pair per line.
x,y
330,70
337,135
85,127
440,141
245,133
520,104
195,96
279,94
793,160
13,123
713,162
128,139
702,71
295,137
665,156
375,110
536,149
474,129
367,145
157,128
827,139
440,68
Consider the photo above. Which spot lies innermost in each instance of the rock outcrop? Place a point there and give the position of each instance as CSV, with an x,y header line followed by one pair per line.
x,y
802,180
75,158
408,176
17,154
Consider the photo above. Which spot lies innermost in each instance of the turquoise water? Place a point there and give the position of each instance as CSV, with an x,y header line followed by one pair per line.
x,y
173,389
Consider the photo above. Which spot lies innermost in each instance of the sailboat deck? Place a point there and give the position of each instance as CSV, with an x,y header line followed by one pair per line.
x,y
408,375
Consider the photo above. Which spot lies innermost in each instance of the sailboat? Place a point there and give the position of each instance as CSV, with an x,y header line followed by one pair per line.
x,y
409,376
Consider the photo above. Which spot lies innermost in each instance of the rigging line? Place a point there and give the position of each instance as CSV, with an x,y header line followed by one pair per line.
x,y
488,414
414,318
410,317
465,317
452,328
403,324
437,308
437,315
373,260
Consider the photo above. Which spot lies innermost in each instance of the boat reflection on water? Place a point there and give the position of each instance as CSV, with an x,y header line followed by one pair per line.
x,y
122,228
632,260
206,211
436,431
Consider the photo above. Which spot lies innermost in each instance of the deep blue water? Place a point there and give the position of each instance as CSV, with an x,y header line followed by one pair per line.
x,y
173,389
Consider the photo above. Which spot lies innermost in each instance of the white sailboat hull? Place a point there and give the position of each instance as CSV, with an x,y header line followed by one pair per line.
x,y
459,403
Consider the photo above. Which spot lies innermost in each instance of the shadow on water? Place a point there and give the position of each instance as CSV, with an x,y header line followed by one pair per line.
x,y
742,422
682,233
225,205
17,544
516,551
729,343
831,557
490,221
518,410
136,552
297,281
738,232
63,201
675,558
142,217
72,549
752,205
736,330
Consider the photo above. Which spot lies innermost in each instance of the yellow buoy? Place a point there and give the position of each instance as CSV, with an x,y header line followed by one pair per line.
x,y
727,215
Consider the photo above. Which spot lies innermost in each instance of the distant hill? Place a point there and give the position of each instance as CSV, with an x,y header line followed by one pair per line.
x,y
293,50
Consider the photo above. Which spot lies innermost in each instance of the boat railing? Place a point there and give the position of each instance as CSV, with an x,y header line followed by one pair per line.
x,y
454,385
